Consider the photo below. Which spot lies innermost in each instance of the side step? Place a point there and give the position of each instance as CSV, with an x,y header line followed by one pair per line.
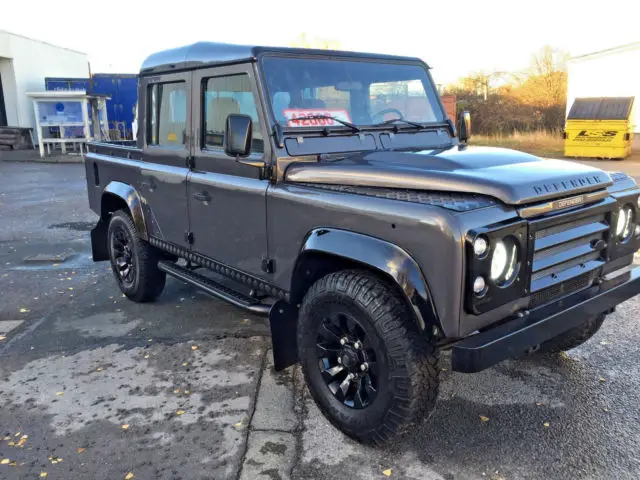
x,y
215,289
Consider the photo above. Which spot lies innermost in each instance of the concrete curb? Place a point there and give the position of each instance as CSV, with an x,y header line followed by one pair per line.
x,y
44,160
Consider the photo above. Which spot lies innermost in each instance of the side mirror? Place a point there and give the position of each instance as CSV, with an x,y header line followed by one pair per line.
x,y
237,135
464,126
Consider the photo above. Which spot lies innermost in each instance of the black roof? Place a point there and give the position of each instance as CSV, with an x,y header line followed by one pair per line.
x,y
204,54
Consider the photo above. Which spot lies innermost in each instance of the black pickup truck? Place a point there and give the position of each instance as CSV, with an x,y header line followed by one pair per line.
x,y
330,192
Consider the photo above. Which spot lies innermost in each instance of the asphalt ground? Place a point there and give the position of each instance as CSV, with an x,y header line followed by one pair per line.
x,y
94,386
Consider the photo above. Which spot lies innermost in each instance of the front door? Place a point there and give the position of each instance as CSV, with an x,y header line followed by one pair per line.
x,y
166,144
227,200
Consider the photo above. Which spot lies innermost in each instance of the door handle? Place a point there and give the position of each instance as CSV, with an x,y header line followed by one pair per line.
x,y
202,196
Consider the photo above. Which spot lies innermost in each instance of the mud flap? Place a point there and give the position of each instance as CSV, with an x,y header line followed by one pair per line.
x,y
99,248
283,319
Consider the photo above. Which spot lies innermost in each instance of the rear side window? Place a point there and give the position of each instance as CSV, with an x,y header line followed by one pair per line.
x,y
222,97
167,121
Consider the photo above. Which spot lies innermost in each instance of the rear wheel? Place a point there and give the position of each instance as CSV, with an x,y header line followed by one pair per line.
x,y
574,337
368,368
134,262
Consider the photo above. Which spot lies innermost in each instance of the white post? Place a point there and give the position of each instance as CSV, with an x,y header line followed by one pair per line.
x,y
105,120
36,111
85,119
63,145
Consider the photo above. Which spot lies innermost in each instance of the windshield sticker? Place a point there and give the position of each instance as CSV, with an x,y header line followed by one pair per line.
x,y
297,117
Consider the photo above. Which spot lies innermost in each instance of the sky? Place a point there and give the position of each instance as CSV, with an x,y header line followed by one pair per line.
x,y
455,38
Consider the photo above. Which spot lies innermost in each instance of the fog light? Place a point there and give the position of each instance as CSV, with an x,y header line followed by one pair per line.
x,y
479,286
480,246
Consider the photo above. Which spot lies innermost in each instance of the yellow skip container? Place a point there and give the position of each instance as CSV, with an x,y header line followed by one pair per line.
x,y
599,128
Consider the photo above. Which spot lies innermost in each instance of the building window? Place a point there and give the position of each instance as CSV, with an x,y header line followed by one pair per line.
x,y
167,124
222,97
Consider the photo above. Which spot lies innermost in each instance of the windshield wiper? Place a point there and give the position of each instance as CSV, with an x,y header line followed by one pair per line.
x,y
393,120
328,117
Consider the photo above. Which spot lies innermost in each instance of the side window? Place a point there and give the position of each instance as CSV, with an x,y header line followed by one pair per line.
x,y
222,97
167,122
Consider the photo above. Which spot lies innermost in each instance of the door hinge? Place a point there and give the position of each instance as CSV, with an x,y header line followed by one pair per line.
x,y
188,237
268,265
191,161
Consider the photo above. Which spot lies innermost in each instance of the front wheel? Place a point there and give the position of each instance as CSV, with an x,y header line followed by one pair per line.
x,y
371,372
134,262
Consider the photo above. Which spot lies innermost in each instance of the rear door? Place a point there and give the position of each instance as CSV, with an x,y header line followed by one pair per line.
x,y
166,143
227,200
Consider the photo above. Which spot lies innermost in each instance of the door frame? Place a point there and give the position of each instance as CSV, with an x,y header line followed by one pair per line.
x,y
3,109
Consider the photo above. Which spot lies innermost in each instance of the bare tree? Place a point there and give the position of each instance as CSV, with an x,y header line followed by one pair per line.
x,y
305,41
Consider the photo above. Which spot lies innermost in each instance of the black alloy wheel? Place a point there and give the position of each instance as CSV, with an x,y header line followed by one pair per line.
x,y
121,246
134,262
347,363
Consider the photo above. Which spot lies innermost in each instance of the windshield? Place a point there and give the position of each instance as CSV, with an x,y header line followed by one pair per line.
x,y
360,92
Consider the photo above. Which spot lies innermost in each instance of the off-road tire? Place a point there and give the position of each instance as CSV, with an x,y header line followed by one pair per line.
x,y
408,385
574,337
148,281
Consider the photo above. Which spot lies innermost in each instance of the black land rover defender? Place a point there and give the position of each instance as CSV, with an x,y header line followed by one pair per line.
x,y
330,192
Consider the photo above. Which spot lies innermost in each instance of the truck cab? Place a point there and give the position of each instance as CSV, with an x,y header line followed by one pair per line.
x,y
330,192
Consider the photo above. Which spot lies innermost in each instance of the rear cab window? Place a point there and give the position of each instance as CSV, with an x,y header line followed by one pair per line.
x,y
167,121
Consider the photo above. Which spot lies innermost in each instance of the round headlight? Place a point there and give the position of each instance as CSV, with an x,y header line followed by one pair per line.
x,y
625,225
504,263
480,246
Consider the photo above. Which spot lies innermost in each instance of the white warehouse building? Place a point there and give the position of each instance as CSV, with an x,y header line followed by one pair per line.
x,y
24,64
614,72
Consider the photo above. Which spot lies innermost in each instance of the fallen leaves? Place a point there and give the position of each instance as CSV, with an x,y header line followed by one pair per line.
x,y
5,461
24,310
602,379
59,394
604,342
185,364
125,426
194,347
484,419
129,476
43,474
387,472
177,390
99,369
546,424
180,412
80,450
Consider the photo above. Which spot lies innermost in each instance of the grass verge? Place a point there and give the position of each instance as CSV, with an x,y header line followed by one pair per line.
x,y
541,143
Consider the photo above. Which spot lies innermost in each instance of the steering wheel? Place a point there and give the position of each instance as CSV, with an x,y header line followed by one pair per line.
x,y
387,110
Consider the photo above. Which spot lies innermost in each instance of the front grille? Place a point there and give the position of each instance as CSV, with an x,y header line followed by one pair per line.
x,y
567,254
561,289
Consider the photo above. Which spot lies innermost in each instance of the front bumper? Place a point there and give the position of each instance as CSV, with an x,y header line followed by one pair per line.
x,y
517,335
